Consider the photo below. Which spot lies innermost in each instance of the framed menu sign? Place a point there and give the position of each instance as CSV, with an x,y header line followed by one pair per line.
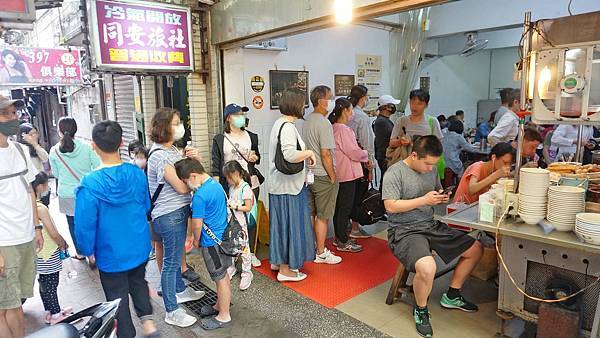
x,y
343,84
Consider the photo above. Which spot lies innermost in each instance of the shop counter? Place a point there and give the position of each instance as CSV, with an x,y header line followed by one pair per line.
x,y
534,258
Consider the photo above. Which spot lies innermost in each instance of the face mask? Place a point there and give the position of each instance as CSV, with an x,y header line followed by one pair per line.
x,y
367,102
178,132
140,162
330,106
9,128
238,121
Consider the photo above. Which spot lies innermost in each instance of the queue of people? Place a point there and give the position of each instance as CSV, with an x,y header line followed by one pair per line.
x,y
315,175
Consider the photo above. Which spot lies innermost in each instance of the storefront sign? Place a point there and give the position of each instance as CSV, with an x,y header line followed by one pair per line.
x,y
39,66
17,11
141,35
258,102
343,84
257,83
368,73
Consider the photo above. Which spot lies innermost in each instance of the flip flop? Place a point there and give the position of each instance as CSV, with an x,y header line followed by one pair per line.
x,y
212,323
208,311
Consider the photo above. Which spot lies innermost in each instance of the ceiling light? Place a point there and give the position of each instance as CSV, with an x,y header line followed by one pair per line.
x,y
343,11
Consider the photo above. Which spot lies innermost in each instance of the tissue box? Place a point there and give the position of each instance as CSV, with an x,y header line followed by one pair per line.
x,y
487,208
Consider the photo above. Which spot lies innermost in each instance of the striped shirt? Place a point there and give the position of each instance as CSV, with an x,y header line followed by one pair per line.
x,y
52,265
168,200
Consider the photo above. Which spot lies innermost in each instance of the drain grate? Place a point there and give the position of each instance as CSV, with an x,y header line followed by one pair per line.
x,y
209,299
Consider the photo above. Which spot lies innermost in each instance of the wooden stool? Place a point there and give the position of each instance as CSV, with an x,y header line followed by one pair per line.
x,y
399,286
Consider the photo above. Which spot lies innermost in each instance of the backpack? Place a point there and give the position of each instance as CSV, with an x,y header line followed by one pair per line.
x,y
20,174
252,215
371,209
235,239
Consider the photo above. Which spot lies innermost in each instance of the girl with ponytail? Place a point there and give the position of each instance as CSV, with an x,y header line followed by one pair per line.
x,y
70,159
348,156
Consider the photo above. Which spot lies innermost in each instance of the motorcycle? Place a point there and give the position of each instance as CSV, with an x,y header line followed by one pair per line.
x,y
102,323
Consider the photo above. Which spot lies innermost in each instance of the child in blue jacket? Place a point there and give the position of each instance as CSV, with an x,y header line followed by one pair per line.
x,y
110,214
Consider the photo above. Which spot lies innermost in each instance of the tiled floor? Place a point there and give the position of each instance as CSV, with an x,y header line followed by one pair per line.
x,y
269,309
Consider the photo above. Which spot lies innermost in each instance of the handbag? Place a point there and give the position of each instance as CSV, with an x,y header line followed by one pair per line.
x,y
251,166
371,209
281,164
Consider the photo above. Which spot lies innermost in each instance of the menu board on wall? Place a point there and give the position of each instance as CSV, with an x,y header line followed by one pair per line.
x,y
368,73
343,84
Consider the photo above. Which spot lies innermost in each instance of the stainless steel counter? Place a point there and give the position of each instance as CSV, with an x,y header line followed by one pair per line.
x,y
515,228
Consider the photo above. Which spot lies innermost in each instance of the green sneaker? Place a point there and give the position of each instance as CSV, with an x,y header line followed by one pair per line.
x,y
422,322
458,303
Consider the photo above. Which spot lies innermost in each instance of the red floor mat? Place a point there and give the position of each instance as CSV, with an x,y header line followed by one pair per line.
x,y
331,285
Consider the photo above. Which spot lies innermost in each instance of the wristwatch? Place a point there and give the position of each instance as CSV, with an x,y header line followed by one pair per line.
x,y
39,227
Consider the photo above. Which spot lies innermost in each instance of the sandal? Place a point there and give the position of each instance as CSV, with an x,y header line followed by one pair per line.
x,y
208,311
212,323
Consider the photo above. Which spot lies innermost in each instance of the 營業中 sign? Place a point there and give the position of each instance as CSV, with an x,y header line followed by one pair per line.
x,y
141,35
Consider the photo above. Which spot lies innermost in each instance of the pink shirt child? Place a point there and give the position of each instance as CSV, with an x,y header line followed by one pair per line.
x,y
348,155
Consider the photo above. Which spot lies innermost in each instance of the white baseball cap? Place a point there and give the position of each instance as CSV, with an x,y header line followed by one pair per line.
x,y
387,99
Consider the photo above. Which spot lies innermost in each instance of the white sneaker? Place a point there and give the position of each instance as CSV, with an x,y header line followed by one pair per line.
x,y
276,268
299,276
246,280
255,261
231,271
189,295
328,257
179,318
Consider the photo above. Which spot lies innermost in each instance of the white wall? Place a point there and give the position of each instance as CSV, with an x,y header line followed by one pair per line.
x,y
458,82
322,53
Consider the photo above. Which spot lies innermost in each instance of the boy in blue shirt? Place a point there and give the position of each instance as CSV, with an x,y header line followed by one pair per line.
x,y
209,207
110,214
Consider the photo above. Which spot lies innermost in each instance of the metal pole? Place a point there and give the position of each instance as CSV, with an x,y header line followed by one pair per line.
x,y
579,153
524,84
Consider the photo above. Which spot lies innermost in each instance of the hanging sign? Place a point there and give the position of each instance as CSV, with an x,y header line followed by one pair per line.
x,y
343,84
257,83
368,73
258,102
39,66
141,35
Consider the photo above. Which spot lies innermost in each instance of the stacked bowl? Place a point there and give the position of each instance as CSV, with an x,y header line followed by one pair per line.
x,y
587,227
564,202
533,194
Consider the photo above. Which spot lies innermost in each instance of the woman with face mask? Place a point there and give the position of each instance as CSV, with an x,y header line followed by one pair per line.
x,y
236,143
170,212
70,160
29,136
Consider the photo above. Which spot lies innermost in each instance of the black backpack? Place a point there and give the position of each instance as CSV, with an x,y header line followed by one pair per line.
x,y
371,210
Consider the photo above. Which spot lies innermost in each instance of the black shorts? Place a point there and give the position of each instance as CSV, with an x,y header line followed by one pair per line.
x,y
216,262
411,244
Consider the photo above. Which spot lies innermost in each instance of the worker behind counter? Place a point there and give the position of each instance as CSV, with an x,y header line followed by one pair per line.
x,y
479,176
507,128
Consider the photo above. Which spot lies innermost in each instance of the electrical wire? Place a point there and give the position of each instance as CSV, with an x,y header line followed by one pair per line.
x,y
562,299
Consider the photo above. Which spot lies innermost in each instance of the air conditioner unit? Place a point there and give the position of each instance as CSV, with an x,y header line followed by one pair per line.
x,y
274,45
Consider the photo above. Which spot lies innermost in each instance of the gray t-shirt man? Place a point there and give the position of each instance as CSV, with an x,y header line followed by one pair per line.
x,y
428,126
317,133
403,183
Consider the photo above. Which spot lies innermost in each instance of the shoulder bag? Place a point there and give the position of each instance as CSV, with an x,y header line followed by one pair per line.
x,y
66,165
285,167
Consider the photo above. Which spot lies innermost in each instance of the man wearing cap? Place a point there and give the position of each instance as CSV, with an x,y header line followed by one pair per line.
x,y
20,235
383,130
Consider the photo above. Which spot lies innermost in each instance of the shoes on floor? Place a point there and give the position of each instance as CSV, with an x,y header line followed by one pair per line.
x,y
179,318
459,303
299,276
349,247
255,261
422,322
327,257
246,280
360,233
190,274
189,295
336,242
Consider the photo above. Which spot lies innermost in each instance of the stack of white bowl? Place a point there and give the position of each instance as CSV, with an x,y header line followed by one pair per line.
x,y
533,194
587,227
564,202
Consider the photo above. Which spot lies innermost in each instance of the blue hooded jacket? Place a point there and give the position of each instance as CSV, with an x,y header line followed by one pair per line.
x,y
110,217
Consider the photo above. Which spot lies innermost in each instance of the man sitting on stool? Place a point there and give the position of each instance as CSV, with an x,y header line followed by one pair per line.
x,y
410,190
